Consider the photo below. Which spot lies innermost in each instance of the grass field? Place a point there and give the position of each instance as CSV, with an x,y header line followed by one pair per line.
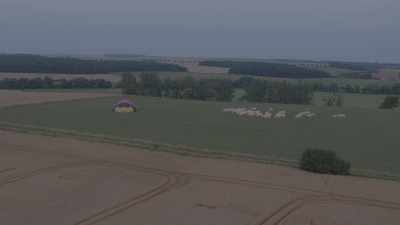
x,y
368,137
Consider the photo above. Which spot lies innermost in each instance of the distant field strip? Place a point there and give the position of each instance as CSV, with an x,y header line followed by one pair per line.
x,y
145,144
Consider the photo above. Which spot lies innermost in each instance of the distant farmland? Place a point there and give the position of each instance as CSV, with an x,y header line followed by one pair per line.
x,y
24,63
109,77
370,133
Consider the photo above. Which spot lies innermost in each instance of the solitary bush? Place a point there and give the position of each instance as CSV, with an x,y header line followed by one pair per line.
x,y
324,161
390,102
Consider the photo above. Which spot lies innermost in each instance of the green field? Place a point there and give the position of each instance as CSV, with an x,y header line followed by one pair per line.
x,y
368,137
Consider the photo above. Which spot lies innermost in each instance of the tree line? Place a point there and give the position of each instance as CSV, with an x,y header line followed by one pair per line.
x,y
23,63
282,92
268,69
49,83
149,84
376,89
217,89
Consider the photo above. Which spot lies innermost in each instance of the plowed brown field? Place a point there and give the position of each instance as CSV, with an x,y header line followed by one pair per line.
x,y
46,180
10,98
108,77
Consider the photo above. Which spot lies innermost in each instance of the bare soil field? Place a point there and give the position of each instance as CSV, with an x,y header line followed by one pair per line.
x,y
48,180
109,77
11,97
193,66
388,75
196,68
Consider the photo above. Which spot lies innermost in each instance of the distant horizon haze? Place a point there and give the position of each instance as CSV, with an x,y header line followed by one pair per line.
x,y
343,30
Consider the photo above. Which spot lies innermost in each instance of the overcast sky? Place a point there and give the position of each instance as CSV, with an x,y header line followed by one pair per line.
x,y
358,30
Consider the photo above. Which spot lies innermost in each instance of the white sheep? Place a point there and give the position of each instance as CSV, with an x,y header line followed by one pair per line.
x,y
229,110
311,115
253,113
303,114
306,114
339,116
280,114
259,114
243,113
267,115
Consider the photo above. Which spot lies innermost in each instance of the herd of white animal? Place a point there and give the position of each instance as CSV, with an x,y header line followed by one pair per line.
x,y
253,112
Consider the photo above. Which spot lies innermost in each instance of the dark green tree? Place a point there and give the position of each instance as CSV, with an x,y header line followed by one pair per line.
x,y
150,85
333,100
324,161
129,84
390,102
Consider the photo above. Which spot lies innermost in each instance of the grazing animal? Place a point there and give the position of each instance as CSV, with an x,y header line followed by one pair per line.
x,y
306,114
259,114
339,116
229,110
303,114
280,115
267,115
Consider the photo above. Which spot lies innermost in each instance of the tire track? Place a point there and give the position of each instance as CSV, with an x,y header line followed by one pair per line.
x,y
27,175
7,170
105,214
289,208
298,190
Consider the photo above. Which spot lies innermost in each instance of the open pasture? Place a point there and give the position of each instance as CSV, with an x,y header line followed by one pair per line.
x,y
367,137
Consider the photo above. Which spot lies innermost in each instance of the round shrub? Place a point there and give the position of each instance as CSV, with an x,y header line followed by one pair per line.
x,y
324,161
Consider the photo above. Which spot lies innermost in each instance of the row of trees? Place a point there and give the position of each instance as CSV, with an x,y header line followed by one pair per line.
x,y
275,91
358,66
217,89
150,84
49,83
333,100
267,69
386,89
363,66
256,90
21,63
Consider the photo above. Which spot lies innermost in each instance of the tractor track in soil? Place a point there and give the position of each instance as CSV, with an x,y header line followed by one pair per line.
x,y
170,181
23,176
105,214
7,170
289,208
176,179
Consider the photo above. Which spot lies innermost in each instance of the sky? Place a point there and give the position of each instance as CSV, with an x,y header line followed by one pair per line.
x,y
352,30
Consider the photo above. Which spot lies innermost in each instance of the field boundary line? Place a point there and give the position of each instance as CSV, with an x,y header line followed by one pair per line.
x,y
176,149
145,144
7,170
